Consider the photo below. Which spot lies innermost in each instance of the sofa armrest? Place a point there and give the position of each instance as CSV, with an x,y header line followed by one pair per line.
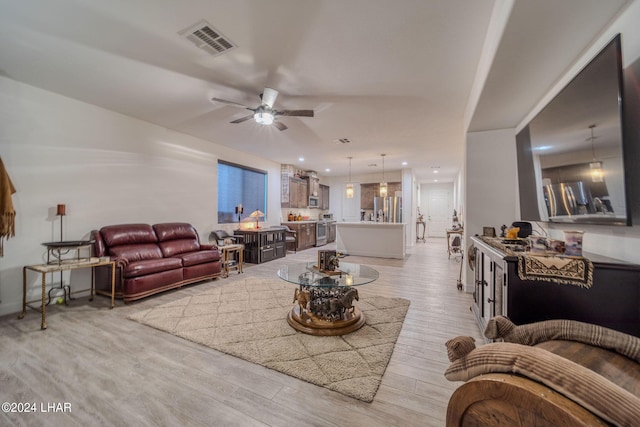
x,y
99,248
208,246
121,264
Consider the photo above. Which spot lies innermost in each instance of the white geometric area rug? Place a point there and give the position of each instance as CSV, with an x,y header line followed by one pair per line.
x,y
247,319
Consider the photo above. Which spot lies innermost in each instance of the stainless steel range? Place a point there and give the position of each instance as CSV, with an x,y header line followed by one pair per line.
x,y
321,233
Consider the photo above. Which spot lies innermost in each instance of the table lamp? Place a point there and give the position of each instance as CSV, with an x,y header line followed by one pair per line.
x,y
257,215
61,211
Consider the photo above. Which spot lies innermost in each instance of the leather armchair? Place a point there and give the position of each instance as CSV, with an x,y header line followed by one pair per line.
x,y
219,236
291,237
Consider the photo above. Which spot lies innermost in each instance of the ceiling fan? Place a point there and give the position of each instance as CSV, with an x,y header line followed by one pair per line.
x,y
265,114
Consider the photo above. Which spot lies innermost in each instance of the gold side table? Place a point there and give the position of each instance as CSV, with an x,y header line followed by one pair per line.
x,y
419,236
71,264
229,261
451,248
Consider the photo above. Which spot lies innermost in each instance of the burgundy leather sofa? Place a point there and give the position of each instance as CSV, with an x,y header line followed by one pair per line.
x,y
151,259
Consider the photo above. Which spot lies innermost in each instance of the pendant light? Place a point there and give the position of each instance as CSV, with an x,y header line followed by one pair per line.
x,y
383,184
349,189
595,165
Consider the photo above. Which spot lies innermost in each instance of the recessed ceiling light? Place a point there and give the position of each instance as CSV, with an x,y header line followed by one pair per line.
x,y
301,159
327,170
435,180
404,163
435,171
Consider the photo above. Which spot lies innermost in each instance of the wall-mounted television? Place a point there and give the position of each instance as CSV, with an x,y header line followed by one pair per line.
x,y
570,156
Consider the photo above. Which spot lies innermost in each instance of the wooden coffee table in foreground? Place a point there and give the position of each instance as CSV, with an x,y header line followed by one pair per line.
x,y
324,301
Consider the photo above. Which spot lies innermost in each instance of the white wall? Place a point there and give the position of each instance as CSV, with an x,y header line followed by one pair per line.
x,y
490,184
108,169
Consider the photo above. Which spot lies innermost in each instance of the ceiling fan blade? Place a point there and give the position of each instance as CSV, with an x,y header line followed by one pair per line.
x,y
243,119
299,113
269,96
235,104
280,125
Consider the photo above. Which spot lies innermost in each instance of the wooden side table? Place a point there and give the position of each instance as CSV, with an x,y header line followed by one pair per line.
x,y
71,264
229,255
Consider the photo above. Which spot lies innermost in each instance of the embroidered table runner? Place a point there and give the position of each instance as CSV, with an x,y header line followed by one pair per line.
x,y
556,269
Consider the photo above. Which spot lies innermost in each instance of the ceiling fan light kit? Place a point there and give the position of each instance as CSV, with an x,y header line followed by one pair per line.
x,y
265,114
263,117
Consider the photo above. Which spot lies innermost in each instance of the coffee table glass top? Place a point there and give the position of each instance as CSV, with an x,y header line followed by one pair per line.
x,y
347,274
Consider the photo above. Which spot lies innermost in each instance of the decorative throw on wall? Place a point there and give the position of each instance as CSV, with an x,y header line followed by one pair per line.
x,y
7,213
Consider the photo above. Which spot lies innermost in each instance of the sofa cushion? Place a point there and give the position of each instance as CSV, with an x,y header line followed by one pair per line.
x,y
199,257
150,266
137,252
128,234
175,231
171,248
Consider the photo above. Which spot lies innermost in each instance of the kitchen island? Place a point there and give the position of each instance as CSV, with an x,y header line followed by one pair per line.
x,y
374,239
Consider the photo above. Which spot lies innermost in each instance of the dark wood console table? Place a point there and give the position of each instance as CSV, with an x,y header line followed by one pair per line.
x,y
263,244
613,300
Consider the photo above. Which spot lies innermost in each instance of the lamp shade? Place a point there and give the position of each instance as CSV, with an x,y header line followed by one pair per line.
x,y
383,183
596,171
383,189
349,191
257,215
349,187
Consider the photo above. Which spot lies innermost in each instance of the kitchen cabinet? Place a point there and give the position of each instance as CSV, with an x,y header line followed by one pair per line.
x,y
612,300
324,197
314,186
305,232
298,194
331,231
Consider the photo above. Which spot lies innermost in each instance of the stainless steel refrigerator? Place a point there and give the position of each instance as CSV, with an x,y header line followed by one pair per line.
x,y
387,209
568,198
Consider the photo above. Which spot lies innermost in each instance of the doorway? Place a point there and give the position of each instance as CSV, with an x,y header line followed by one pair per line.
x,y
439,209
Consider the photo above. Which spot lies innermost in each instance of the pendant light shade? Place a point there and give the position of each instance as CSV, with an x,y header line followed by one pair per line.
x,y
596,165
349,188
383,184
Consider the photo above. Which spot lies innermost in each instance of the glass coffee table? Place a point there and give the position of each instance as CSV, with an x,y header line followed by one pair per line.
x,y
325,299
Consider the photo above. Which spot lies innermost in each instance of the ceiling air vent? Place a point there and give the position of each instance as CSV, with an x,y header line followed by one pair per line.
x,y
207,38
342,141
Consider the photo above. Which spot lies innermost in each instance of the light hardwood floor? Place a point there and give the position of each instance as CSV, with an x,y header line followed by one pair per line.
x,y
117,372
